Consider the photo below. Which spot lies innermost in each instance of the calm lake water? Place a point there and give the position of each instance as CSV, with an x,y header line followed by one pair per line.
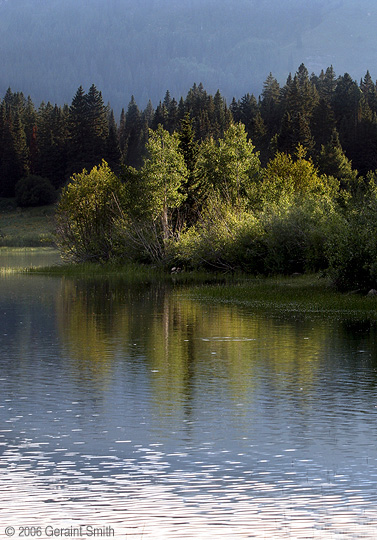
x,y
136,410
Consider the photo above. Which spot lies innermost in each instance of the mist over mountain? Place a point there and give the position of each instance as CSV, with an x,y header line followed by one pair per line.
x,y
50,47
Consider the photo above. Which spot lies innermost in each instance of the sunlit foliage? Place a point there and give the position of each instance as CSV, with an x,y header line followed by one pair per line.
x,y
87,215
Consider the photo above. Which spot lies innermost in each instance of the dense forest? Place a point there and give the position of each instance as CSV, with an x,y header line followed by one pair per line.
x,y
328,115
284,183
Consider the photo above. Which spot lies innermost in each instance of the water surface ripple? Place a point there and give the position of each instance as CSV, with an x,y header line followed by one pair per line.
x,y
136,408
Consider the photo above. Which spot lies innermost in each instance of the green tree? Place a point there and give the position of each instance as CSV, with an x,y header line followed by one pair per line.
x,y
288,178
165,174
229,167
88,216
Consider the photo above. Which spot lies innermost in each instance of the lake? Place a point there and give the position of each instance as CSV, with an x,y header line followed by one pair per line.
x,y
139,411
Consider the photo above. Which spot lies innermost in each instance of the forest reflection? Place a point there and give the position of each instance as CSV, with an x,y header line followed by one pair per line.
x,y
183,346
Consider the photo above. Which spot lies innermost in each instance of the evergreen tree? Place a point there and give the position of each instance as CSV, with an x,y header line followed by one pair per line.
x,y
270,105
189,148
97,126
14,159
329,85
301,95
333,162
148,114
369,91
364,154
346,106
122,132
295,130
146,124
79,136
248,110
113,153
172,116
52,141
220,119
235,110
160,117
259,136
132,135
323,123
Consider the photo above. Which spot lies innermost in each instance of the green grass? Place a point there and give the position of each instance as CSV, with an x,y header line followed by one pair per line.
x,y
301,296
26,227
308,295
129,271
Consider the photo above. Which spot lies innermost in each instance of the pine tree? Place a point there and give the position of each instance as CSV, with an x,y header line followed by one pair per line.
x,y
219,120
235,110
259,136
346,106
79,148
369,91
132,135
329,85
160,117
113,154
52,139
323,123
332,161
248,110
97,125
270,105
122,132
172,116
14,162
146,124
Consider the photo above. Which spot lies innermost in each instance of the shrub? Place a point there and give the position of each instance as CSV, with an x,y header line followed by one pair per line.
x,y
34,190
352,245
296,235
89,216
280,239
225,237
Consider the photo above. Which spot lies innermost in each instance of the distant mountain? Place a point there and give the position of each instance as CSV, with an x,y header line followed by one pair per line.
x,y
49,47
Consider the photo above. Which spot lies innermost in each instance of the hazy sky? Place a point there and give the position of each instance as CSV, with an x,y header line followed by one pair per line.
x,y
50,47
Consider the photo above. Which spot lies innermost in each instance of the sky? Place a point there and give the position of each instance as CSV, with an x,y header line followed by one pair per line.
x,y
51,47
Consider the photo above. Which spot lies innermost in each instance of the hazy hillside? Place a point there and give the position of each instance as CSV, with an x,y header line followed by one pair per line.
x,y
50,47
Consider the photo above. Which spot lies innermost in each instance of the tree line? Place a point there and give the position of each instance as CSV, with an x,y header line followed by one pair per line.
x,y
263,186
333,117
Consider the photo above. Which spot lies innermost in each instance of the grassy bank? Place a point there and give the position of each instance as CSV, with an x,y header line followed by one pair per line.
x,y
130,272
25,227
307,295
